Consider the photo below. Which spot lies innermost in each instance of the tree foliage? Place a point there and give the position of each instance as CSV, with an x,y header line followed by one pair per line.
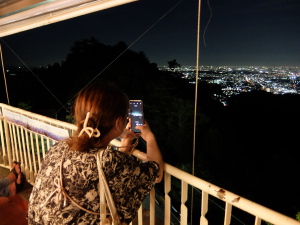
x,y
91,60
173,64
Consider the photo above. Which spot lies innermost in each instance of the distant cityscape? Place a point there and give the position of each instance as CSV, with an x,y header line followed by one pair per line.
x,y
235,80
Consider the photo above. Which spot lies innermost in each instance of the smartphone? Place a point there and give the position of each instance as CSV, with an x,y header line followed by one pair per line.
x,y
136,113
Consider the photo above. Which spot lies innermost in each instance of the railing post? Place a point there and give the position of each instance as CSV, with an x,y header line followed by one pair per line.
x,y
33,173
20,147
183,208
228,210
24,150
140,216
38,151
152,206
2,147
13,138
257,221
204,208
8,143
43,146
167,216
30,169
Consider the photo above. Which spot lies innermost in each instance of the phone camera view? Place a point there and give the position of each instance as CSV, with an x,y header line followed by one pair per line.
x,y
136,114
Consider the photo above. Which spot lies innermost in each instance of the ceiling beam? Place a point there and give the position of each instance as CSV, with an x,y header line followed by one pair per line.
x,y
43,15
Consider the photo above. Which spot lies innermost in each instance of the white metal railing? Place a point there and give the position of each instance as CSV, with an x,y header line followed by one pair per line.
x,y
26,137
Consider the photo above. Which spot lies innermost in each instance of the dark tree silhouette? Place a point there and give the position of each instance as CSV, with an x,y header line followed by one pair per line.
x,y
173,64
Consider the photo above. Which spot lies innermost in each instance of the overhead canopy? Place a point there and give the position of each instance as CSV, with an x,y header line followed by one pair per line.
x,y
20,15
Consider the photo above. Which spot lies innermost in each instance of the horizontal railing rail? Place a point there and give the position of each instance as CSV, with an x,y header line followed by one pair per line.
x,y
26,137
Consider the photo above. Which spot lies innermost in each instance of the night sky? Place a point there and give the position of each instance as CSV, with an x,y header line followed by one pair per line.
x,y
239,33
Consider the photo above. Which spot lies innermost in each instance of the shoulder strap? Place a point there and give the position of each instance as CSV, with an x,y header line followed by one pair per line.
x,y
105,194
60,193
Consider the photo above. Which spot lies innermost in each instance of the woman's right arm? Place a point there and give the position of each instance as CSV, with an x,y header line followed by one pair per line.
x,y
153,151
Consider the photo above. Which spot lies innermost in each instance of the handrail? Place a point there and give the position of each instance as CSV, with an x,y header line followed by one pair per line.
x,y
38,116
231,198
20,142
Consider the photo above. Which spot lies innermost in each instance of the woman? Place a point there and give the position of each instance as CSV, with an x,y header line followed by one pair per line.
x,y
66,188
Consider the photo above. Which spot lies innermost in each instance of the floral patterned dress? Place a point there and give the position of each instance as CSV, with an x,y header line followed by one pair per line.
x,y
129,181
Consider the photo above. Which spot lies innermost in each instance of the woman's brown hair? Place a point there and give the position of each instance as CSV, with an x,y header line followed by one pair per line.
x,y
106,103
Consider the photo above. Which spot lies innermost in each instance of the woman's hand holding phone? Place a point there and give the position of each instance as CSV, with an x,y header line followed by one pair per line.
x,y
126,138
146,132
